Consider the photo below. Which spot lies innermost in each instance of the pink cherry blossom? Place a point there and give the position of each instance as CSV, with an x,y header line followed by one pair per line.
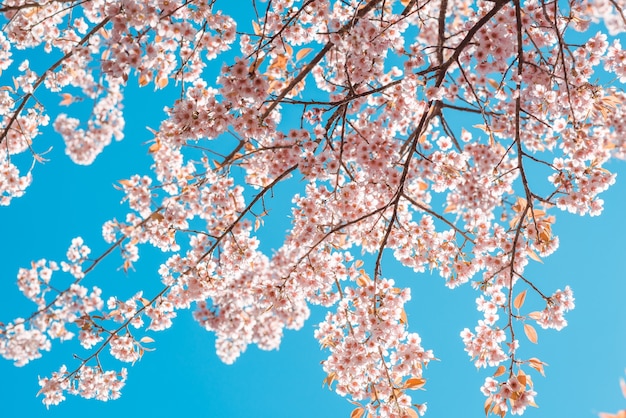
x,y
445,135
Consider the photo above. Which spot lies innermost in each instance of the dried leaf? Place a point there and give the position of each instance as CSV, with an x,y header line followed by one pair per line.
x,y
531,333
127,265
256,27
414,383
488,405
68,99
493,83
303,53
519,300
279,62
450,208
358,412
328,380
146,340
403,318
536,364
611,101
411,413
358,264
154,147
499,371
519,205
161,82
622,385
256,64
536,315
143,80
533,255
363,280
289,50
538,213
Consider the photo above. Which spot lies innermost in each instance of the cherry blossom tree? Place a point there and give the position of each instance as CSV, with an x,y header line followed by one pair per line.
x,y
448,134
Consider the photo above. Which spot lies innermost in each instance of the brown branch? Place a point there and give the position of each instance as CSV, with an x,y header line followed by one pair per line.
x,y
307,69
43,77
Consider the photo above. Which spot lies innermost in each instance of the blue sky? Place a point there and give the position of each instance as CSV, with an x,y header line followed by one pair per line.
x,y
183,376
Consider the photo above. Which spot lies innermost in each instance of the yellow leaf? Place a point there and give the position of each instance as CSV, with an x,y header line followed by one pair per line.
x,y
328,380
256,27
146,340
519,205
126,183
403,318
531,333
155,147
611,101
161,82
303,53
256,64
289,50
414,383
279,62
68,99
358,264
538,213
535,315
143,80
362,280
493,83
536,364
519,300
450,208
500,371
488,405
358,412
533,255
411,413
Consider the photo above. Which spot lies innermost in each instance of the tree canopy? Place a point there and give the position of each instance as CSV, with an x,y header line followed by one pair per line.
x,y
447,134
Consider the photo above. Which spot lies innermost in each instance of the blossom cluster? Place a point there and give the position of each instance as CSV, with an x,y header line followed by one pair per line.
x,y
372,356
87,382
23,339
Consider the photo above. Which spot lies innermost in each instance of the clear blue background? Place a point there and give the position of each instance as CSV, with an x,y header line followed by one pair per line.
x,y
183,377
